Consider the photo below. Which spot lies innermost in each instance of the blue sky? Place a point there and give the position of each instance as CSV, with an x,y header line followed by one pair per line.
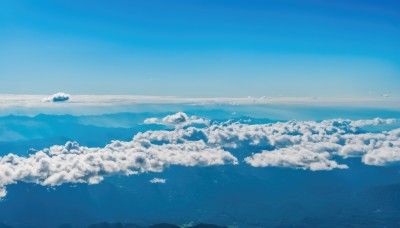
x,y
201,48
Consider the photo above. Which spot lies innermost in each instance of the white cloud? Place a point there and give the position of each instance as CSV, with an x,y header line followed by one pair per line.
x,y
311,145
175,119
179,119
295,157
336,137
152,121
158,181
330,137
376,121
382,156
72,163
293,143
58,97
384,149
305,145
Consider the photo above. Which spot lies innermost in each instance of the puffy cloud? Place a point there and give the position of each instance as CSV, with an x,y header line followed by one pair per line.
x,y
295,157
158,181
284,139
72,163
383,149
58,97
382,156
293,143
308,145
179,119
312,145
376,121
152,121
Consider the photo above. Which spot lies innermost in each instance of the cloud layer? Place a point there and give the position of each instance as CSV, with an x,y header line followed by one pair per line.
x,y
72,163
295,144
195,141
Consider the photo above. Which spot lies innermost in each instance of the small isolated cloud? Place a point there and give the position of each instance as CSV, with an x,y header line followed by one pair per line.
x,y
58,97
179,119
158,181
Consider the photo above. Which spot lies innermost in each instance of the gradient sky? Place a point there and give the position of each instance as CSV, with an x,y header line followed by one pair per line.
x,y
204,48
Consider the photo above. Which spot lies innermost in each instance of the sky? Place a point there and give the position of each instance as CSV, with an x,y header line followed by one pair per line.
x,y
204,48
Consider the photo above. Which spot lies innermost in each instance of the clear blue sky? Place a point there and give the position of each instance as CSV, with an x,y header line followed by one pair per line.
x,y
204,48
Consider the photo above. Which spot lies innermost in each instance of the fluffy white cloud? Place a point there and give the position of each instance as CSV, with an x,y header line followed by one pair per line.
x,y
311,145
158,181
383,149
72,163
306,145
336,137
58,97
179,119
295,157
382,156
293,143
376,121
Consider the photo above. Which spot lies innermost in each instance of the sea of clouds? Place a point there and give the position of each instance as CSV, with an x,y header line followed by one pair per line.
x,y
194,141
